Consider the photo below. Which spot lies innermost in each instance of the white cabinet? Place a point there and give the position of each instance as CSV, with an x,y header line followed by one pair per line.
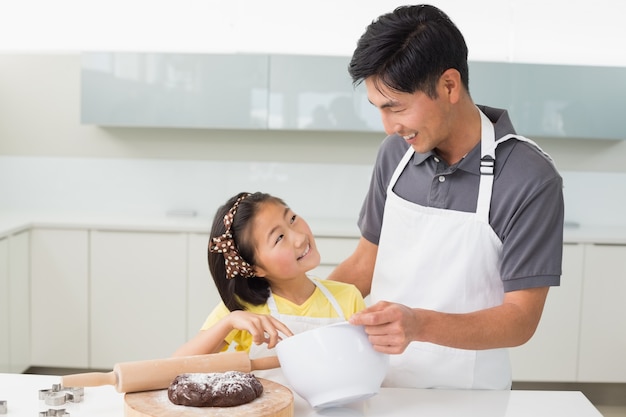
x,y
4,305
60,284
202,295
93,298
552,353
137,296
603,324
14,303
582,334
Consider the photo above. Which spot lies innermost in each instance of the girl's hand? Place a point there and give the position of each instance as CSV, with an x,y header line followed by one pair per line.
x,y
263,328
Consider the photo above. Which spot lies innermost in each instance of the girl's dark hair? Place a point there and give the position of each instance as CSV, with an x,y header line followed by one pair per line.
x,y
254,290
408,50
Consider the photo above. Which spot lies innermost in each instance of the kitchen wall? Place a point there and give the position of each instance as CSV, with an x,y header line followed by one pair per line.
x,y
539,31
49,161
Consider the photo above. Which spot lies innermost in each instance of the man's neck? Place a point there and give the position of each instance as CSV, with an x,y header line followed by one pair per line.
x,y
465,137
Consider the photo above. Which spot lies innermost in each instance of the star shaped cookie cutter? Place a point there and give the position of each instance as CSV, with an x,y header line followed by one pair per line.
x,y
59,395
53,412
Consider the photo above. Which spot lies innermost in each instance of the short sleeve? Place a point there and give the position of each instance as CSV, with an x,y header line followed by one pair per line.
x,y
240,339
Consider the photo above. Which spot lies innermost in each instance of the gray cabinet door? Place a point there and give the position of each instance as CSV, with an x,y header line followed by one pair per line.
x,y
305,92
564,101
174,90
316,93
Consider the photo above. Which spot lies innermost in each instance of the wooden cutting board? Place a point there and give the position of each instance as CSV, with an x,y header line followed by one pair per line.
x,y
276,401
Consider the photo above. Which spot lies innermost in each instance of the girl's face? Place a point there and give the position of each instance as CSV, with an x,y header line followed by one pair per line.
x,y
284,244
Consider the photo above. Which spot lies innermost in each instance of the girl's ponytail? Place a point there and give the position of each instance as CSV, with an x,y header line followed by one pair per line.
x,y
236,289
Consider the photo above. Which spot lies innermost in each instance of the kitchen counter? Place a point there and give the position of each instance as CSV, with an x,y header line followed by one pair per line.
x,y
11,222
21,393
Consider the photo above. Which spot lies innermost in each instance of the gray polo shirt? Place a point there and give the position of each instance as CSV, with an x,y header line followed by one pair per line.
x,y
526,205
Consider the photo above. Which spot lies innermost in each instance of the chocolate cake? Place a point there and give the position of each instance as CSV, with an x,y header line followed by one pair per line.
x,y
225,389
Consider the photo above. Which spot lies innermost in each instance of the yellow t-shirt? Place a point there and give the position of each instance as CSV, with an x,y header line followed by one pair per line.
x,y
347,295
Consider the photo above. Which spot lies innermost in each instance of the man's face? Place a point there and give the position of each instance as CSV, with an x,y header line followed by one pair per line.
x,y
422,121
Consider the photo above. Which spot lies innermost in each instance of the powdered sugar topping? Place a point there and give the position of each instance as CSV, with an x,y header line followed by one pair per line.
x,y
229,382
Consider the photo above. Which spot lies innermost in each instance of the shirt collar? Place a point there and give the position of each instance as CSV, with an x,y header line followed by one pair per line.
x,y
471,162
419,158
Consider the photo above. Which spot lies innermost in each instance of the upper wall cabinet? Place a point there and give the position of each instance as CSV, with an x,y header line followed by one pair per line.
x,y
554,100
174,90
316,93
303,92
286,92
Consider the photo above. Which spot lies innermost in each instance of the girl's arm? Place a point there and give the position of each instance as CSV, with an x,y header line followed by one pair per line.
x,y
209,340
263,328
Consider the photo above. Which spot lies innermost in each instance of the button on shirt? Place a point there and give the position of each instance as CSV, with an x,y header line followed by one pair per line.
x,y
440,186
445,181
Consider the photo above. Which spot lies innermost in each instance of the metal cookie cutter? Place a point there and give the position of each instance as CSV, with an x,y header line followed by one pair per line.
x,y
53,412
3,407
59,395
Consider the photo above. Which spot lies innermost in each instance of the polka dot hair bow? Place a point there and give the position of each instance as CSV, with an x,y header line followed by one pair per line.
x,y
225,244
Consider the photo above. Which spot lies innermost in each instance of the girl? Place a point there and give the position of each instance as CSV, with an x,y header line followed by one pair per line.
x,y
259,253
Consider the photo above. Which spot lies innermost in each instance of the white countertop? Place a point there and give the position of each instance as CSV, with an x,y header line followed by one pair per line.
x,y
12,222
22,395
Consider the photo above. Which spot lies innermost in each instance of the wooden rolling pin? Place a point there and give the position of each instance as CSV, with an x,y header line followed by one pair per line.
x,y
159,373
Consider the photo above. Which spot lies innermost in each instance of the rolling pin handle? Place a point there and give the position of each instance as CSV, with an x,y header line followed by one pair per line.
x,y
90,379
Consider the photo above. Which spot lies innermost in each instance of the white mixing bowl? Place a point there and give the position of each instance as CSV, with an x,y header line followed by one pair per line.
x,y
332,365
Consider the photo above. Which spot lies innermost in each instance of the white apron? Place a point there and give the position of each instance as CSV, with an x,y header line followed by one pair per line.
x,y
297,324
447,261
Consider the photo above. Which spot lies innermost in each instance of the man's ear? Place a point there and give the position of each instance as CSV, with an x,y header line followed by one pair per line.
x,y
451,85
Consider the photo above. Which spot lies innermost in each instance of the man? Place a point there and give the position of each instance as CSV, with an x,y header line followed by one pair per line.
x,y
462,226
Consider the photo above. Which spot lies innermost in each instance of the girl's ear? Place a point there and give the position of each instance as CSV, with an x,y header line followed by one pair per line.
x,y
259,272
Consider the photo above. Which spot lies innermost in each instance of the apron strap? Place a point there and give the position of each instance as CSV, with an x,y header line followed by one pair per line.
x,y
488,146
523,139
396,174
271,303
487,165
331,298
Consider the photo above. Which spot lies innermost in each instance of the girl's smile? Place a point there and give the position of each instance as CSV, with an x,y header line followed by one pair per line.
x,y
285,246
306,252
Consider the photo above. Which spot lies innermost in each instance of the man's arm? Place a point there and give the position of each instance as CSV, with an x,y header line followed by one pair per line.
x,y
358,268
391,327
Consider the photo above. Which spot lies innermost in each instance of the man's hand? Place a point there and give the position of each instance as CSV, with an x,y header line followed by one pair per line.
x,y
390,326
